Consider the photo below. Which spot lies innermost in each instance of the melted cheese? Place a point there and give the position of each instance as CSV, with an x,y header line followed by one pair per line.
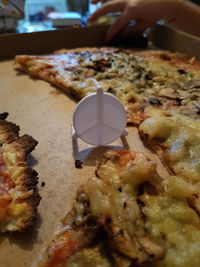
x,y
169,218
157,127
12,213
173,224
118,185
89,257
180,138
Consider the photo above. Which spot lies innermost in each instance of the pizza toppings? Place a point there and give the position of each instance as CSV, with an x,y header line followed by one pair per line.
x,y
127,215
106,220
154,101
176,139
170,78
181,71
173,223
6,182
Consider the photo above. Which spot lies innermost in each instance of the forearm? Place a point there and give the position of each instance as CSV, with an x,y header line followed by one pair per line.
x,y
187,18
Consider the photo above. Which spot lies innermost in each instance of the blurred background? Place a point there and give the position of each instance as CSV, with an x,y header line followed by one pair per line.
x,y
38,15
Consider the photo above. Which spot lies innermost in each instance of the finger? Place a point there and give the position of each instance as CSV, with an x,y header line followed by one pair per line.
x,y
112,6
120,23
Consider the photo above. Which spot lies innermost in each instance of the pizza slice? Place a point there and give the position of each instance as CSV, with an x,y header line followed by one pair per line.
x,y
173,222
160,79
176,82
71,70
105,226
19,196
127,215
176,139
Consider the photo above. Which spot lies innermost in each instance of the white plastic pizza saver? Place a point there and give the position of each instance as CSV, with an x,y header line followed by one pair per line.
x,y
99,119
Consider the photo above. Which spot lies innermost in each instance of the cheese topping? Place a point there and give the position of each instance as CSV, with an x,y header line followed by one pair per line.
x,y
179,137
10,190
173,223
172,217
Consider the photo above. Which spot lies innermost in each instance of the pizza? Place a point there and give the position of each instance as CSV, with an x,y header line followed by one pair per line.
x,y
105,226
176,140
139,79
127,215
19,195
173,222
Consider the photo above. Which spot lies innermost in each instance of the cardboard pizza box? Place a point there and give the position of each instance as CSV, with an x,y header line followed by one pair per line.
x,y
49,41
46,113
159,36
171,39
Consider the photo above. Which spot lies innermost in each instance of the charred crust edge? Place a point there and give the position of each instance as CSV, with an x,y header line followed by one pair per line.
x,y
9,135
27,143
3,115
8,131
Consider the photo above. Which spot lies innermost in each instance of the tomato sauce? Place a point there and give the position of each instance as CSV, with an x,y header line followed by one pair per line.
x,y
6,182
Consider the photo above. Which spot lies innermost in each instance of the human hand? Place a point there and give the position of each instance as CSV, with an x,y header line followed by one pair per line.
x,y
144,12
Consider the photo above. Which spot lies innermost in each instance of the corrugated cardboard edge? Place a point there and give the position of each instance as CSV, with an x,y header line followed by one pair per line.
x,y
48,41
168,38
161,36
